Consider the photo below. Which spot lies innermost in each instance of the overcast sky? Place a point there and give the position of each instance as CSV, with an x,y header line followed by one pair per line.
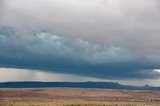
x,y
101,39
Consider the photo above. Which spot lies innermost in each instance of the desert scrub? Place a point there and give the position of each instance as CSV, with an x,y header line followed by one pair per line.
x,y
79,105
90,105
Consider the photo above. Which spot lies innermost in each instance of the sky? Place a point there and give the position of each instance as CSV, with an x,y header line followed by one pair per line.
x,y
71,40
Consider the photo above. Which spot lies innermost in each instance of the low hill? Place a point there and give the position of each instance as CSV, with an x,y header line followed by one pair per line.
x,y
106,85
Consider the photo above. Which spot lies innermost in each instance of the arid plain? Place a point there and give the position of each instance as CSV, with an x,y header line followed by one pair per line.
x,y
77,97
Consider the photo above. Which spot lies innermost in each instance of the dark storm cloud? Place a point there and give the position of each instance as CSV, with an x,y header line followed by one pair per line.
x,y
100,38
47,51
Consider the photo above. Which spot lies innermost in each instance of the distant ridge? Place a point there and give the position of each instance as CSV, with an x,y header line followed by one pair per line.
x,y
104,85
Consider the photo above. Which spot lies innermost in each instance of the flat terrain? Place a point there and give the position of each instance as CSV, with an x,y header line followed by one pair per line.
x,y
77,97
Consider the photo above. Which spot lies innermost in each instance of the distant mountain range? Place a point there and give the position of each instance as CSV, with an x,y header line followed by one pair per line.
x,y
104,85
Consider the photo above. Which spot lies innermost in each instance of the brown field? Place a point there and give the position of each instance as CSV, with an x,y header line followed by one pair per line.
x,y
77,97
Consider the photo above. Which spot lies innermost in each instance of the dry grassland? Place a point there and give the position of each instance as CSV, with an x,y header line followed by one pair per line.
x,y
77,97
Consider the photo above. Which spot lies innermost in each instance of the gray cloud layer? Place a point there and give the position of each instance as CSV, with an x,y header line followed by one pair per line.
x,y
100,38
